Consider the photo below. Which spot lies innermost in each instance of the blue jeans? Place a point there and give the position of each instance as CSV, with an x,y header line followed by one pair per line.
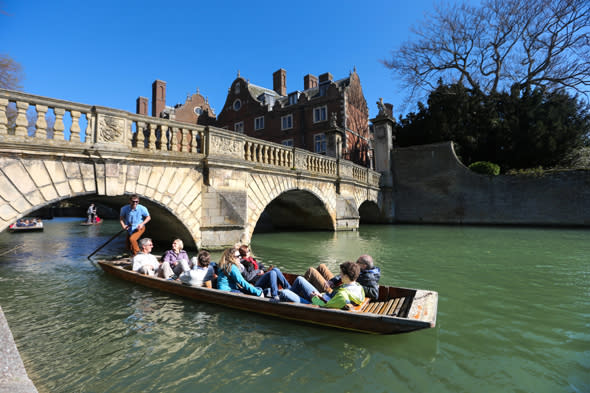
x,y
300,292
271,279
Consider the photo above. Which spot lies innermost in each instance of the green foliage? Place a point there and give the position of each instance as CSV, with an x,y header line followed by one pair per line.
x,y
485,168
512,129
533,172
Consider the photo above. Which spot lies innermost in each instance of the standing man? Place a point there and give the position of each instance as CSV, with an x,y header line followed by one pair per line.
x,y
133,218
91,212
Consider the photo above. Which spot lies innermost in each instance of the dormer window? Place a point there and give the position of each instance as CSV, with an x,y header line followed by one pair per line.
x,y
237,104
293,98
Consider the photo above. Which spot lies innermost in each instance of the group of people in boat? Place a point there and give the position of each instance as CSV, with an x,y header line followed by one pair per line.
x,y
238,271
28,223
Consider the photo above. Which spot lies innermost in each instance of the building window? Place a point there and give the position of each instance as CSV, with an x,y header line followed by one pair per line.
x,y
293,97
320,114
198,110
287,142
237,104
237,88
259,123
239,127
286,122
319,142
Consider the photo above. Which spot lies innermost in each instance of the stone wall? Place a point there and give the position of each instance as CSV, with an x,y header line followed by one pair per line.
x,y
432,186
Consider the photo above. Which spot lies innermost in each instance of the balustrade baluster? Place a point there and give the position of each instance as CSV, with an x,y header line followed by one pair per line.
x,y
274,156
75,128
58,126
174,145
140,135
183,140
247,151
41,123
88,131
21,122
3,118
200,142
265,159
152,136
193,134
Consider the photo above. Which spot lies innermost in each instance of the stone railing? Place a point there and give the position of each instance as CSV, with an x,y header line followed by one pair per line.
x,y
49,123
263,152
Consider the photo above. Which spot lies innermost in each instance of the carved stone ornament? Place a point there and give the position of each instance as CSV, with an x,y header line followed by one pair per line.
x,y
225,146
300,161
110,129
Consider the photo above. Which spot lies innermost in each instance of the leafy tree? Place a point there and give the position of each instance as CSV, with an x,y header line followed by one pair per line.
x,y
513,129
528,44
11,73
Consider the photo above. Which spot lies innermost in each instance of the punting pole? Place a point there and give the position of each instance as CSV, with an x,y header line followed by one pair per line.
x,y
107,242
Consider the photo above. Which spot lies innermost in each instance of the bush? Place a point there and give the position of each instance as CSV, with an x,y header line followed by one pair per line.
x,y
485,168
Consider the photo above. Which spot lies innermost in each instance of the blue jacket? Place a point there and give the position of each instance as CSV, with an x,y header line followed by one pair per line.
x,y
235,281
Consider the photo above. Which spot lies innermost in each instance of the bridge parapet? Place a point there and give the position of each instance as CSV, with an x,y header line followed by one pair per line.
x,y
24,119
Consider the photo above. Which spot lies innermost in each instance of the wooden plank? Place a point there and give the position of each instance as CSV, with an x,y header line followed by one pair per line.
x,y
374,306
397,310
379,307
386,306
392,306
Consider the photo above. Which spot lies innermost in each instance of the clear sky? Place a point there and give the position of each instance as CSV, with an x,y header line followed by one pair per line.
x,y
108,53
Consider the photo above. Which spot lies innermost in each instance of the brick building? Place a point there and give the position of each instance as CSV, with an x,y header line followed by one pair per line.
x,y
326,116
195,110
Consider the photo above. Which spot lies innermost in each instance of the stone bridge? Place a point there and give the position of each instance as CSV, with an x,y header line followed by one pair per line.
x,y
204,184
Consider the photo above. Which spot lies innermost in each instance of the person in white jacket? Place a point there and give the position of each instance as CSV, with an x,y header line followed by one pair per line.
x,y
201,272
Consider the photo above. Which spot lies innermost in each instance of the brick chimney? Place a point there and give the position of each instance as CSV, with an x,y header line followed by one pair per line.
x,y
279,82
326,77
158,97
141,106
310,81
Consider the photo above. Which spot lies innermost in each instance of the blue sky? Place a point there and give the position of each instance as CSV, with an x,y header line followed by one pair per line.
x,y
108,53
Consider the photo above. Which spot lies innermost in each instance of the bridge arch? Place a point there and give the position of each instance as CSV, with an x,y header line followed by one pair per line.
x,y
283,192
30,183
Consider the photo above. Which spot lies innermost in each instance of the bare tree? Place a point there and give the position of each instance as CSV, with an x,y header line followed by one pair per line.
x,y
11,73
499,44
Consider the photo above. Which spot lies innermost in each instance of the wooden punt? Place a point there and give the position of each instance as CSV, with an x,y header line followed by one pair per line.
x,y
38,226
398,310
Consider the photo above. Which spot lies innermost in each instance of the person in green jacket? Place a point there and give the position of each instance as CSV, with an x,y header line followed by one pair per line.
x,y
347,295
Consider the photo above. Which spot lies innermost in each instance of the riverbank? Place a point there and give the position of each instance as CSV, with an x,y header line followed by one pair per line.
x,y
13,376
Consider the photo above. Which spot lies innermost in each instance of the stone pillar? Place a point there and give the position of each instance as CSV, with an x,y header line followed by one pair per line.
x,y
334,143
383,147
383,144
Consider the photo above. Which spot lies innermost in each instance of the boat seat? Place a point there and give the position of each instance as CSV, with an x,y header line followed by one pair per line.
x,y
362,305
391,307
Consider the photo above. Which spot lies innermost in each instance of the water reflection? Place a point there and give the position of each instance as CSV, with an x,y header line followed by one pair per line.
x,y
512,317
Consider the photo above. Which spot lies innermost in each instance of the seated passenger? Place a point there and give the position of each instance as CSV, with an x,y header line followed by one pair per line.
x,y
201,272
175,255
301,292
325,281
253,273
145,263
252,269
229,277
347,295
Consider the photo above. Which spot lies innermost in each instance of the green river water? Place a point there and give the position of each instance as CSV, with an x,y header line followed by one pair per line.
x,y
513,316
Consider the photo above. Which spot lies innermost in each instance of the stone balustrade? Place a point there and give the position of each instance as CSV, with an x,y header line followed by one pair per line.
x,y
27,118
